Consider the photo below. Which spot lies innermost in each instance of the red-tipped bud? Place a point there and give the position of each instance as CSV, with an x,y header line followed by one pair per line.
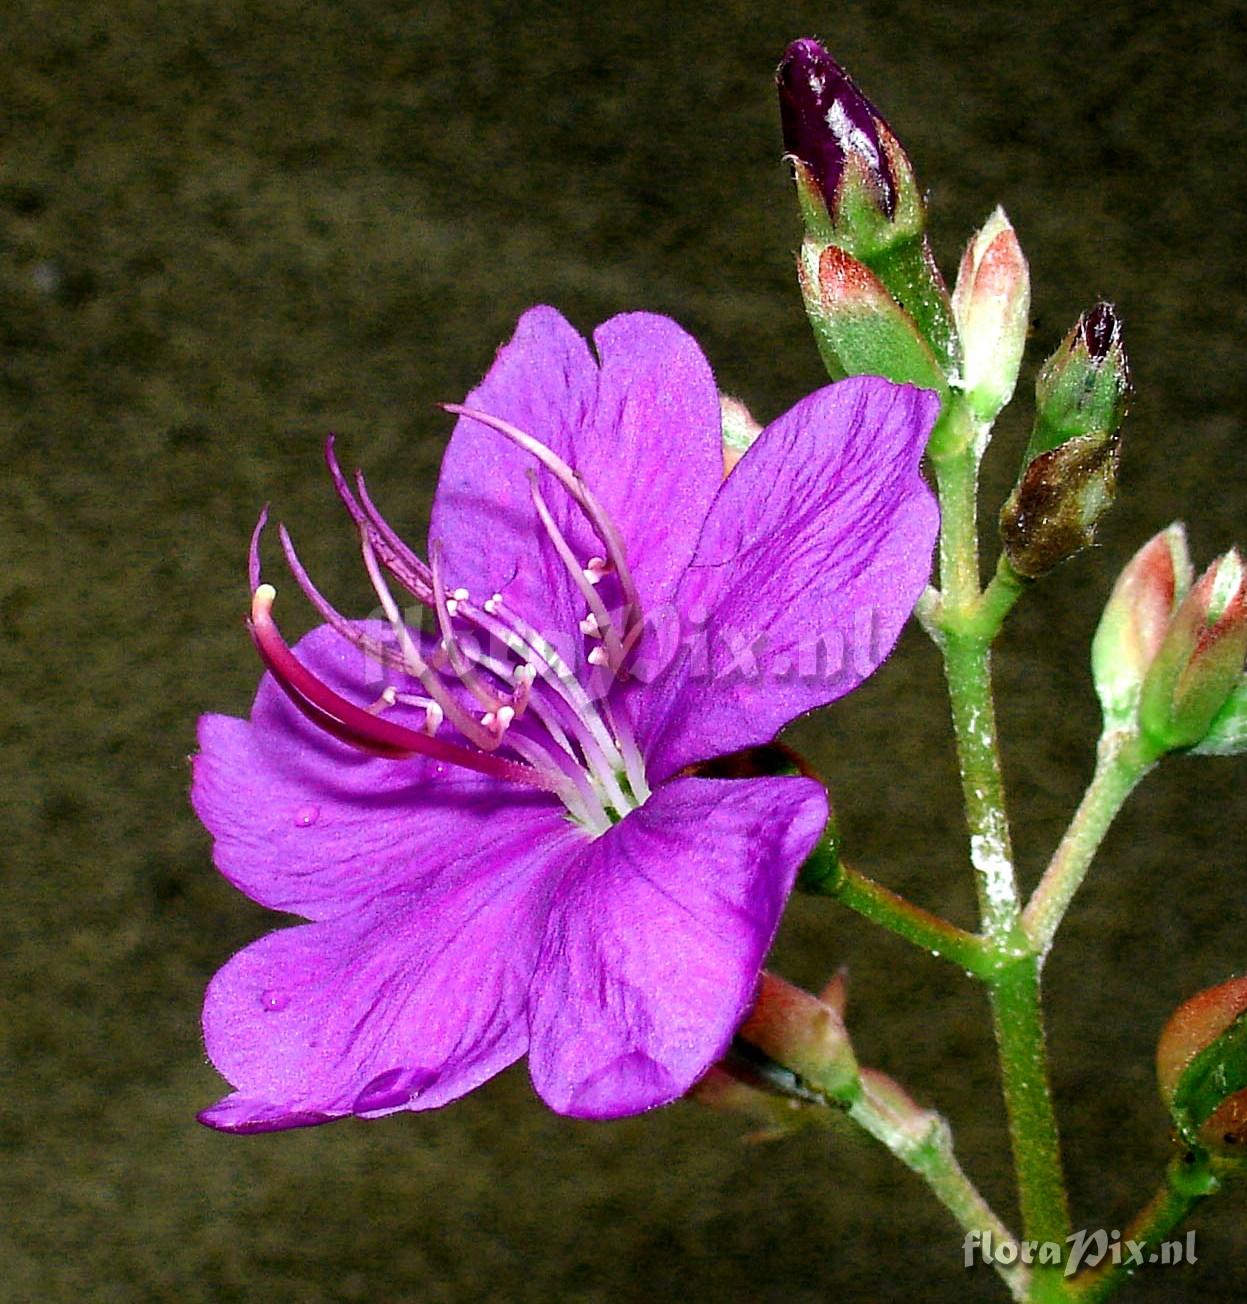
x,y
1135,621
1084,388
991,305
859,327
1200,660
803,1034
1201,1065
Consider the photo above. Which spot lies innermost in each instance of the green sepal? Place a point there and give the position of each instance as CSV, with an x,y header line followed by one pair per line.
x,y
1227,735
1216,1073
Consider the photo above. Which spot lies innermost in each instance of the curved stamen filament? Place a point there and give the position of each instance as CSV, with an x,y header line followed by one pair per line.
x,y
454,650
357,726
581,494
603,624
415,664
372,648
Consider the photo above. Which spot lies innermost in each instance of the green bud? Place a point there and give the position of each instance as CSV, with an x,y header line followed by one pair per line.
x,y
1084,387
1069,470
1135,620
991,305
859,327
1227,735
1200,661
739,427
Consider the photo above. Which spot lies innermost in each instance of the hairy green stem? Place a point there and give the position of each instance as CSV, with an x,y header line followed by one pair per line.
x,y
1018,1022
966,622
1121,762
929,931
922,1141
1190,1178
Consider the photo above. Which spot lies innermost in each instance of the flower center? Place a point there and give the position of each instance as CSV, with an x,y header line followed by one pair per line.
x,y
496,695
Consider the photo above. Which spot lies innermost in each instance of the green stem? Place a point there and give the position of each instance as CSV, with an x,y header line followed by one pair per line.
x,y
965,639
1189,1179
1003,590
1122,760
929,931
922,1141
967,621
1018,1022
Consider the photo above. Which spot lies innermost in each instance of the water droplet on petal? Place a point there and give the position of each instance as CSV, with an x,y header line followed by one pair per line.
x,y
306,816
274,1000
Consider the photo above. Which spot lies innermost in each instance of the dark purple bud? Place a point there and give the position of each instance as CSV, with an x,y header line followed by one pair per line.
x,y
1098,330
825,118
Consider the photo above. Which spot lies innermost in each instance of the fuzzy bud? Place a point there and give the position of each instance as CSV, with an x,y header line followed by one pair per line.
x,y
991,305
859,327
1200,661
857,189
1069,469
1135,620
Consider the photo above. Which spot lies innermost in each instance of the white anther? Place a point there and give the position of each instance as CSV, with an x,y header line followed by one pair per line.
x,y
388,697
595,568
492,603
589,626
488,719
598,657
525,674
505,715
451,606
461,595
433,717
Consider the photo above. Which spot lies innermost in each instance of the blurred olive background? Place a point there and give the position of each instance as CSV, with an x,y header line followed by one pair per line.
x,y
226,229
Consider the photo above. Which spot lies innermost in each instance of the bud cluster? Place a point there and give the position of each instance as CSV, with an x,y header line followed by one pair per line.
x,y
1168,655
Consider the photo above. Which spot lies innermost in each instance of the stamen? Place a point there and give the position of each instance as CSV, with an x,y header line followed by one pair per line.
x,y
580,492
490,700
596,569
369,646
597,610
354,725
414,663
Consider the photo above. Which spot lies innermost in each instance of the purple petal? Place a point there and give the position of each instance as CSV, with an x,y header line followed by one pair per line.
x,y
813,556
643,431
407,1003
656,939
307,824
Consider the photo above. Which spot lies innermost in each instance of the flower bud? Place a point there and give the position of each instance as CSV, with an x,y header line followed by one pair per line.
x,y
850,167
1201,1065
1055,507
1200,660
859,327
803,1034
991,305
1227,736
1084,387
1135,620
857,189
740,429
1069,475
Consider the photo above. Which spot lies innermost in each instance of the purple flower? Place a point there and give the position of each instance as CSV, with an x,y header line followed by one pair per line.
x,y
497,830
